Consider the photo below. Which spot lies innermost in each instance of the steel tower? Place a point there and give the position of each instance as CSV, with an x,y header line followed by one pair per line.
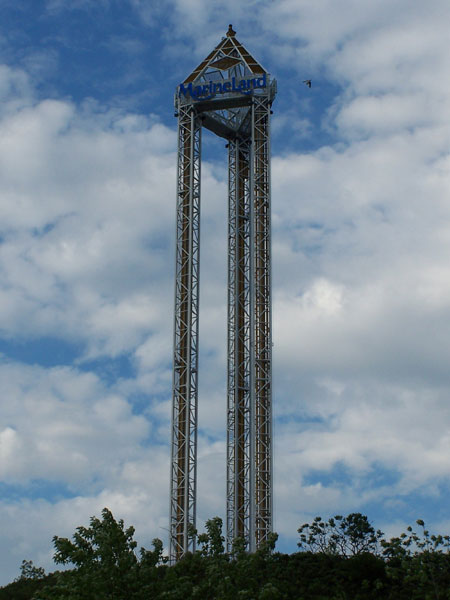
x,y
230,94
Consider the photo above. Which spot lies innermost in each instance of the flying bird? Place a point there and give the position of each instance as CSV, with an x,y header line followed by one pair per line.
x,y
307,82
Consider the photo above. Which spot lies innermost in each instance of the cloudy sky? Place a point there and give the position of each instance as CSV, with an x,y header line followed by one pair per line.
x,y
361,247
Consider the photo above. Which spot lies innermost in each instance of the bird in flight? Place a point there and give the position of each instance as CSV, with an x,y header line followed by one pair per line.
x,y
307,82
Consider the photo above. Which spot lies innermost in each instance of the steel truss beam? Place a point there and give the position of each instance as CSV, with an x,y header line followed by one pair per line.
x,y
239,352
184,415
249,449
261,326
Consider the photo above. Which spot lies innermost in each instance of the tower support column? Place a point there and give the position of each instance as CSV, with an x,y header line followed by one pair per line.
x,y
239,353
185,360
249,427
262,323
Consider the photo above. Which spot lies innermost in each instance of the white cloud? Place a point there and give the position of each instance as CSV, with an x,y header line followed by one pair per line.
x,y
64,425
360,245
362,299
70,446
29,525
85,217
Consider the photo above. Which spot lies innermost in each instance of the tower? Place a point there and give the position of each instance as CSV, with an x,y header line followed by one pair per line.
x,y
230,94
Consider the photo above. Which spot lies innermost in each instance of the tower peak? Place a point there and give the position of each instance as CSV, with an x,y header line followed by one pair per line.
x,y
230,32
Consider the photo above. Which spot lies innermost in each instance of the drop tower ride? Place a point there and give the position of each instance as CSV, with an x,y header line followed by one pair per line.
x,y
230,94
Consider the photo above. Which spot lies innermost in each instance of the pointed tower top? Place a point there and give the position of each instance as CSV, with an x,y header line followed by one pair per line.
x,y
224,86
228,59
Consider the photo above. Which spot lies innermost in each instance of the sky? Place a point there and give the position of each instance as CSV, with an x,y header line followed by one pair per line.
x,y
361,270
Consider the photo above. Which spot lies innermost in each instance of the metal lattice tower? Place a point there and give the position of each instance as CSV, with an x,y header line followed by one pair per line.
x,y
230,94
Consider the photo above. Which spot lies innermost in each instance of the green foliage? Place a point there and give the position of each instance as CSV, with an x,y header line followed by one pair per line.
x,y
340,560
212,541
106,565
152,558
346,536
29,571
28,586
418,564
31,580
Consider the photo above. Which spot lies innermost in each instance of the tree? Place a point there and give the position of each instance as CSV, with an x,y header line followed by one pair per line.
x,y
106,566
212,541
418,564
339,559
346,536
32,579
29,571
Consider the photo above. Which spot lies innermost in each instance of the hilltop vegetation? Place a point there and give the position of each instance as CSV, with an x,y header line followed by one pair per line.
x,y
339,559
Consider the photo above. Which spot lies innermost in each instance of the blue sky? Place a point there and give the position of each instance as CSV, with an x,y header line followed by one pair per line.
x,y
361,239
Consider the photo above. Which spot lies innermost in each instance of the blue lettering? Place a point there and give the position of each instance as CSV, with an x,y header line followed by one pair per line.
x,y
249,84
208,90
261,81
185,90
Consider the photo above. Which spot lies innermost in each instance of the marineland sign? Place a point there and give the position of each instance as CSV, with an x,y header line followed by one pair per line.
x,y
206,91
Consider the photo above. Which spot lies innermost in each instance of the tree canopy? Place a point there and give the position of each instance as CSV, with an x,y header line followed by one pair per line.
x,y
339,559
